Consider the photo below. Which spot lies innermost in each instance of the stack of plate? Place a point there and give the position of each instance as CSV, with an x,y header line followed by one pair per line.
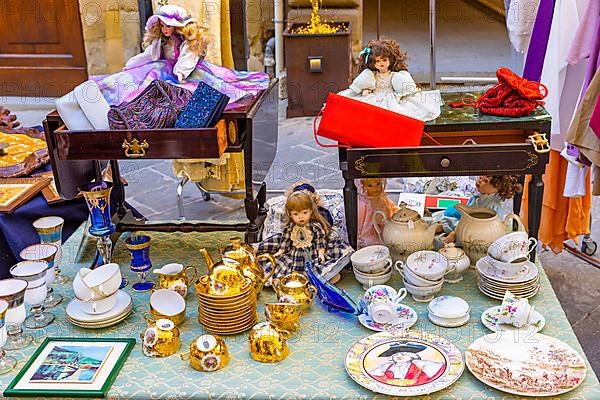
x,y
493,284
118,313
227,315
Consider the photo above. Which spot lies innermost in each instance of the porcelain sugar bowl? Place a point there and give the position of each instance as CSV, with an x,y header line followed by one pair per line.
x,y
207,353
160,339
268,344
457,260
405,233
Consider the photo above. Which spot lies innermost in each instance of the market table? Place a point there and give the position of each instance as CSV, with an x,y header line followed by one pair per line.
x,y
498,146
315,366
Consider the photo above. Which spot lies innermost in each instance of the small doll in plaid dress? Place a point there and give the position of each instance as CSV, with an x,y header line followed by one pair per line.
x,y
306,237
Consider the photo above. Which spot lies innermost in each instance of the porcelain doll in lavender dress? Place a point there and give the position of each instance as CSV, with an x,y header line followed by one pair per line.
x,y
174,48
385,82
306,237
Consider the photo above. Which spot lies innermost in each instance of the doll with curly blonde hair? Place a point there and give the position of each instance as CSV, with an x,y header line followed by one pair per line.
x,y
175,45
385,82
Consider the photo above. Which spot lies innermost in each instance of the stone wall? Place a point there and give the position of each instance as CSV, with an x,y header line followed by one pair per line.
x,y
111,31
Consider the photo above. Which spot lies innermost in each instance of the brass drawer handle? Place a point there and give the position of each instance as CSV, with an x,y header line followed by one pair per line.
x,y
135,149
445,163
539,141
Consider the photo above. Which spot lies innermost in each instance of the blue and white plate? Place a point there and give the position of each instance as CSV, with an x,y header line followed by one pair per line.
x,y
405,318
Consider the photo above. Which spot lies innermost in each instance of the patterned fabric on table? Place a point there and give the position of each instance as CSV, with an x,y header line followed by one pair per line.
x,y
315,367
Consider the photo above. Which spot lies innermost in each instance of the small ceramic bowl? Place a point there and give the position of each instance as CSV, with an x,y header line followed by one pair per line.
x,y
422,294
371,259
99,306
371,280
508,270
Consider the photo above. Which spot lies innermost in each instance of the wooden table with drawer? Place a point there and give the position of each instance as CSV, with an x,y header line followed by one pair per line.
x,y
498,146
77,156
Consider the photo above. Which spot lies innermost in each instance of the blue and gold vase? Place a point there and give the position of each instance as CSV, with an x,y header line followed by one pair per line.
x,y
139,249
97,198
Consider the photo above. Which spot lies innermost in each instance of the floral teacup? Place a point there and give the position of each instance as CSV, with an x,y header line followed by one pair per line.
x,y
381,302
515,311
512,247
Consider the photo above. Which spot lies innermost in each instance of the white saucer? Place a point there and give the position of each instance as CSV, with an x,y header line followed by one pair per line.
x,y
500,295
75,312
100,324
489,321
442,322
488,271
406,317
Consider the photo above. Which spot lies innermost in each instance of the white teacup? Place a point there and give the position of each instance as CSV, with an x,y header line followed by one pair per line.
x,y
382,301
371,259
512,246
515,311
98,283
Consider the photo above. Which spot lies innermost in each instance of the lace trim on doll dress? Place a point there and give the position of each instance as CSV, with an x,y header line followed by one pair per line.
x,y
383,82
301,237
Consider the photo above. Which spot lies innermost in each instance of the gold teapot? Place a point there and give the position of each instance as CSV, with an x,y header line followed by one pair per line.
x,y
244,254
295,288
226,277
268,344
160,339
207,353
176,277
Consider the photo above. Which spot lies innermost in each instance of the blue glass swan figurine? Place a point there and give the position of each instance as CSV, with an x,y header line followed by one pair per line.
x,y
334,298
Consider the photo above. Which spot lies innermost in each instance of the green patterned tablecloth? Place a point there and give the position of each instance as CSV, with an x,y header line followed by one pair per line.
x,y
315,366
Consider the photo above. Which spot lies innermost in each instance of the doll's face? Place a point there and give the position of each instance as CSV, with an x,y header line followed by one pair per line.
x,y
382,64
372,187
300,217
166,30
484,185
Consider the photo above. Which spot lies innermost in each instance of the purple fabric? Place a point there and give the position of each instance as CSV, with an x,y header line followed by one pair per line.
x,y
534,62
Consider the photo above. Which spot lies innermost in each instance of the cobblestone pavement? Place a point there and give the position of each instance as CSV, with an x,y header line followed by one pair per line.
x,y
152,190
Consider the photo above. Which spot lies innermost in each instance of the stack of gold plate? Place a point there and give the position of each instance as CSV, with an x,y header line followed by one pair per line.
x,y
494,284
227,314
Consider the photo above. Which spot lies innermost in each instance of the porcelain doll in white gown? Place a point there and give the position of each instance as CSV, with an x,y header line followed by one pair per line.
x,y
385,82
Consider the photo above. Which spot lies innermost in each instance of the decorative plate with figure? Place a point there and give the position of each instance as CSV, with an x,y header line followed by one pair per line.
x,y
404,363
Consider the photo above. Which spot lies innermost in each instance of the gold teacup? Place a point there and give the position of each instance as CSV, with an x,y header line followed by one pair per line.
x,y
295,288
268,344
165,303
160,339
209,286
285,316
207,353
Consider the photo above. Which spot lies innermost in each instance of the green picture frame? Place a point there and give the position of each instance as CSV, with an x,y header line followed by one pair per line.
x,y
13,391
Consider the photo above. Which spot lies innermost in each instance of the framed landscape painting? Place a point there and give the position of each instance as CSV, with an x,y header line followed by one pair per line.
x,y
71,367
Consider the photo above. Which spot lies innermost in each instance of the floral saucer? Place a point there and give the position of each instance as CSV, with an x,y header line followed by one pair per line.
x,y
406,317
489,318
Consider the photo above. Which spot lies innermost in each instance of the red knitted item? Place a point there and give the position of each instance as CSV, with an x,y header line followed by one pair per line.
x,y
512,96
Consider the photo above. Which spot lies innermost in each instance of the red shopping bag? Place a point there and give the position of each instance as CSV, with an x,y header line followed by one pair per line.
x,y
356,124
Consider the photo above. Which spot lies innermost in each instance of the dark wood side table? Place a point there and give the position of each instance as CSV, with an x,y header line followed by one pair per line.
x,y
515,146
251,129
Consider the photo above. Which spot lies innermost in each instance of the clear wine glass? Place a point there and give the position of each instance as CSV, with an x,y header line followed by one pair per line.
x,y
49,229
34,272
13,292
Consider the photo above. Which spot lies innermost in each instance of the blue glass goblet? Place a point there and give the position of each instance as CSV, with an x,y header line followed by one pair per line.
x,y
139,249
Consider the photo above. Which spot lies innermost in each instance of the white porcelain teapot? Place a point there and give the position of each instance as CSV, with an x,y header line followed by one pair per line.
x,y
405,233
